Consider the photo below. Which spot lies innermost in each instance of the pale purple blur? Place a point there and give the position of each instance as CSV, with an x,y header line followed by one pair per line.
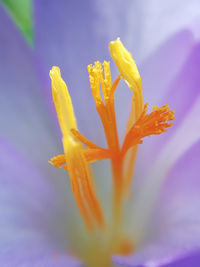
x,y
164,40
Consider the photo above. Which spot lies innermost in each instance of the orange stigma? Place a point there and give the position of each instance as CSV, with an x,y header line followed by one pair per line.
x,y
79,151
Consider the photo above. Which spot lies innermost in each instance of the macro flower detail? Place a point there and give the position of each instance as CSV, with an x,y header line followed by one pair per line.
x,y
79,151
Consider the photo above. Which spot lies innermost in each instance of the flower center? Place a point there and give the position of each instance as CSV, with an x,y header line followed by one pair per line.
x,y
79,152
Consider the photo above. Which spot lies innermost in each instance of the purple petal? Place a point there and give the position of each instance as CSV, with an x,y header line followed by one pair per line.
x,y
25,119
181,97
66,37
185,87
33,254
162,67
146,189
192,260
32,224
144,26
157,21
158,72
175,228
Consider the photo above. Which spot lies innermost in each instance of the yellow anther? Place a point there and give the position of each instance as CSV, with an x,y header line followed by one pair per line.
x,y
129,72
62,102
77,166
125,64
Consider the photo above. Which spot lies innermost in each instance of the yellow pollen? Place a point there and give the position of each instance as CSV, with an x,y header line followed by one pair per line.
x,y
79,151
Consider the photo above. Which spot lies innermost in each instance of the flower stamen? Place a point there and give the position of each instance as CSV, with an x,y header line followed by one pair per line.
x,y
79,151
77,166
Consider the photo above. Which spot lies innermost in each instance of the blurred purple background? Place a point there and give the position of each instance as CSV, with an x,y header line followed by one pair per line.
x,y
163,37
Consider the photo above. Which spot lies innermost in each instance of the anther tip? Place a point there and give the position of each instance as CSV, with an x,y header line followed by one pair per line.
x,y
54,71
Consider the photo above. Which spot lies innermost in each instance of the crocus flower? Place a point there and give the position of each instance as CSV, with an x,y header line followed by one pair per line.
x,y
36,204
